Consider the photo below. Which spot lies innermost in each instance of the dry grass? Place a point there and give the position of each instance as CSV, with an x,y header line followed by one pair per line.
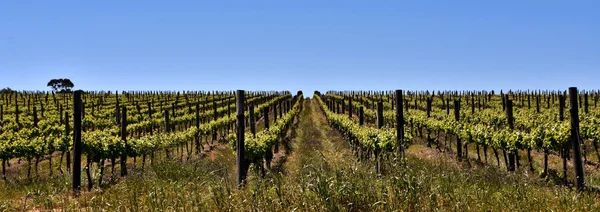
x,y
320,173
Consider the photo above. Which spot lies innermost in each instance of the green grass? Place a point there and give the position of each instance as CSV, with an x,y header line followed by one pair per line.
x,y
321,174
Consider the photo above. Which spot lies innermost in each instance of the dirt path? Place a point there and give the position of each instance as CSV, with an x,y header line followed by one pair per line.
x,y
316,143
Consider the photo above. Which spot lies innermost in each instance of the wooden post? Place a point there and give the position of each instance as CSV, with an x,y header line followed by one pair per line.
x,y
350,107
117,108
399,122
35,118
67,131
280,110
214,132
77,147
17,111
537,103
379,114
174,110
428,108
197,123
447,106
241,173
274,112
575,138
415,104
228,108
511,125
252,121
124,139
361,116
343,105
585,103
472,104
266,116
561,107
379,126
458,141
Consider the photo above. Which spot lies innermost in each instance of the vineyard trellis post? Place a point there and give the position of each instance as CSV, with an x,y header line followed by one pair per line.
x,y
399,122
343,102
350,107
117,114
575,138
241,173
428,115
510,119
280,109
428,107
274,112
197,122
561,109
167,128
252,121
585,103
77,147
537,103
472,104
361,116
266,116
457,119
379,126
124,139
447,106
379,115
67,131
17,111
214,132
35,118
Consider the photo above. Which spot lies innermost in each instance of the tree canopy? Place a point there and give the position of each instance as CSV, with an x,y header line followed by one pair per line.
x,y
61,85
7,90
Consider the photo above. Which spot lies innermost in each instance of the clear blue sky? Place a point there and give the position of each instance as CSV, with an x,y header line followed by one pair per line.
x,y
300,45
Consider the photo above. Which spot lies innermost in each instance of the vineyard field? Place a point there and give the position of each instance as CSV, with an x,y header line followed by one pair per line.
x,y
396,150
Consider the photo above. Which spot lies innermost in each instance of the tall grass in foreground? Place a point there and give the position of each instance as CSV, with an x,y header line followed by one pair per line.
x,y
322,186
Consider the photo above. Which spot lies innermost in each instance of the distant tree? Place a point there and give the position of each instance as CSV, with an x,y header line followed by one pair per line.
x,y
6,90
61,85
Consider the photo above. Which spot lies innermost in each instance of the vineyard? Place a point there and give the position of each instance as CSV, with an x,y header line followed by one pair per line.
x,y
280,151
